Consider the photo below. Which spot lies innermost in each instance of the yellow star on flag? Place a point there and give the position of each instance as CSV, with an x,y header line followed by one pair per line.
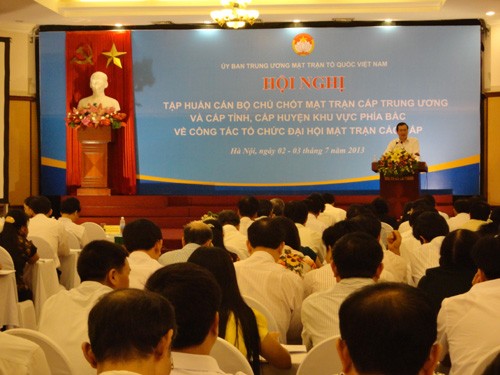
x,y
113,56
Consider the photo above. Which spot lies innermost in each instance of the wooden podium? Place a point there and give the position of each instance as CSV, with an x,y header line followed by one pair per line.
x,y
399,190
94,160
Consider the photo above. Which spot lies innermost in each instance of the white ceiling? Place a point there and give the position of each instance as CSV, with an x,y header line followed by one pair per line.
x,y
24,15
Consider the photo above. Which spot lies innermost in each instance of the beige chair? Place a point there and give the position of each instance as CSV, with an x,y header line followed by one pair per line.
x,y
94,231
27,315
322,359
58,360
43,248
272,325
6,260
73,241
229,358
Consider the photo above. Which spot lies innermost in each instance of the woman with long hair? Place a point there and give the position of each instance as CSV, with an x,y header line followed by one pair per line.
x,y
242,326
13,238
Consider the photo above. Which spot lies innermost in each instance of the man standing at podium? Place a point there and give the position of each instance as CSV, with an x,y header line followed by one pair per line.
x,y
410,145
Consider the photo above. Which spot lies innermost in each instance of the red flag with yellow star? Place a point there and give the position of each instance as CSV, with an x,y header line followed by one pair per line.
x,y
109,52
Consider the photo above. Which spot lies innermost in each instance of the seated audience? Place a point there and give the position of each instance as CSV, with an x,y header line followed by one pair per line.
x,y
331,214
13,238
456,268
242,326
469,323
381,209
143,240
429,228
431,201
234,241
260,277
278,206
51,230
195,234
130,332
387,329
297,212
102,267
315,206
461,209
493,226
265,209
27,206
195,295
248,208
357,262
19,356
70,213
479,215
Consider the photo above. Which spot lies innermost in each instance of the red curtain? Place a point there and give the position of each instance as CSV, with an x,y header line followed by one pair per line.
x,y
84,56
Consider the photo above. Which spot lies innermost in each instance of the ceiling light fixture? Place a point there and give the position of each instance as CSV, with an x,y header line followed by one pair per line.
x,y
235,15
490,13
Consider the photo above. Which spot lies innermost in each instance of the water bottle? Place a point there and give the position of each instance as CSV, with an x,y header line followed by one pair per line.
x,y
122,224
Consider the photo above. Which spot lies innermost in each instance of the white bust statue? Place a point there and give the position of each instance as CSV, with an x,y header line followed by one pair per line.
x,y
98,83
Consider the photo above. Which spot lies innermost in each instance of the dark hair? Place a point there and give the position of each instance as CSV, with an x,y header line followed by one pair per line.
x,y
265,207
401,124
197,232
217,261
429,198
493,227
456,249
266,232
358,209
335,232
248,206
278,206
128,323
195,295
389,328
367,223
486,256
98,258
462,205
430,225
315,203
480,211
217,232
141,234
296,211
40,204
380,206
292,237
328,198
70,205
228,217
357,254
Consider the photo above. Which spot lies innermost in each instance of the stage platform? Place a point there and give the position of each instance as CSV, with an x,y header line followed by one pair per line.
x,y
171,213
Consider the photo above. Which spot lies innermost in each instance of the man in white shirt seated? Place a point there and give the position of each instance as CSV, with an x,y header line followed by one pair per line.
x,y
429,228
388,328
297,212
234,241
357,262
143,240
196,297
410,145
248,208
479,215
315,206
469,323
261,278
130,331
19,356
102,267
70,213
195,234
461,208
51,230
331,214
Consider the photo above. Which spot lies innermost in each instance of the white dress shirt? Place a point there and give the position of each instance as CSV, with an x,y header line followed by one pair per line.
x,y
178,256
319,279
196,364
410,145
19,356
312,239
424,257
315,224
332,215
78,230
458,220
397,266
277,288
53,232
245,222
234,241
469,325
141,267
64,319
320,311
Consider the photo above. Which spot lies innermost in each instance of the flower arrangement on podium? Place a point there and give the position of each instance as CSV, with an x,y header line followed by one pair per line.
x,y
397,163
95,116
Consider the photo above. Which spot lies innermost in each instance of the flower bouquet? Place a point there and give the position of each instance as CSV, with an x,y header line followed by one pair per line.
x,y
95,115
296,261
397,163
